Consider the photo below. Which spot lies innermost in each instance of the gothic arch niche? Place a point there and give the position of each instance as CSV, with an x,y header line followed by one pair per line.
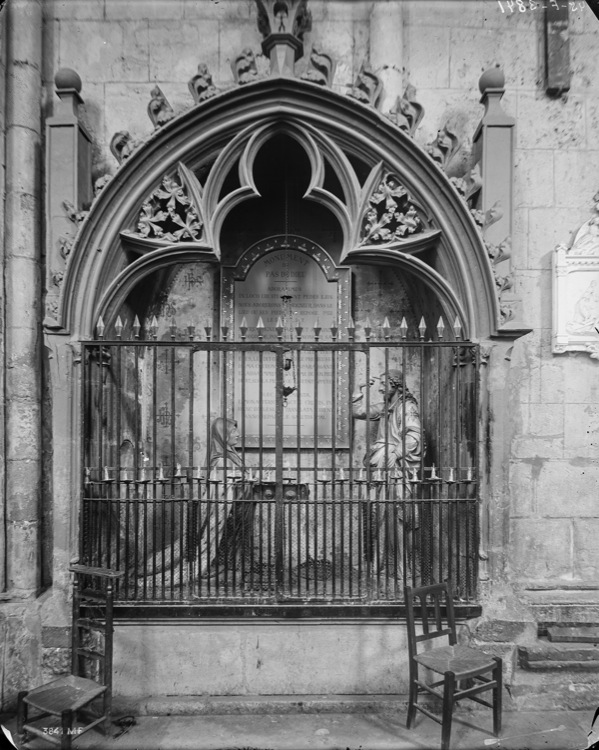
x,y
388,223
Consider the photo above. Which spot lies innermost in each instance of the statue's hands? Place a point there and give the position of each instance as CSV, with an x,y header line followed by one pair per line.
x,y
365,385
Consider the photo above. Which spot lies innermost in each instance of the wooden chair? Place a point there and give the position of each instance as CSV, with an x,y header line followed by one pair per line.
x,y
466,671
68,706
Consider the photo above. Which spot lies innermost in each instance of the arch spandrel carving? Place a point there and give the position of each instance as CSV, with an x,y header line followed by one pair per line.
x,y
232,126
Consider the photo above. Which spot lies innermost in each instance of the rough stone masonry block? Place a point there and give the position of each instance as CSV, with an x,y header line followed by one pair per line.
x,y
502,21
546,420
550,123
553,385
114,51
533,178
176,49
540,549
522,484
75,10
222,10
429,57
474,51
459,13
547,228
568,489
584,62
581,384
23,429
586,536
581,433
576,175
152,10
22,652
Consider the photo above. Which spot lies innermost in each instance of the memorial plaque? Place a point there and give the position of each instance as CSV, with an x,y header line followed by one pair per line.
x,y
294,280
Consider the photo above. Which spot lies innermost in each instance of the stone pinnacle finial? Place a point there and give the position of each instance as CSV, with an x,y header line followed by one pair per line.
x,y
493,78
68,90
283,24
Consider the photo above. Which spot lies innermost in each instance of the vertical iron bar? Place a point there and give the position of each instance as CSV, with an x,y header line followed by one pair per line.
x,y
368,510
279,354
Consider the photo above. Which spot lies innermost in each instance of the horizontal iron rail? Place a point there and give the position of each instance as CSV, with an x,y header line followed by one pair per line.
x,y
257,346
195,612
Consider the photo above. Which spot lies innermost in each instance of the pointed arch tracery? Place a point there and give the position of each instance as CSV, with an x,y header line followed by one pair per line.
x,y
157,210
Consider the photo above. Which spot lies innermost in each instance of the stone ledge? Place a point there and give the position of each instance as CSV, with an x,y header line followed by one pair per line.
x,y
548,665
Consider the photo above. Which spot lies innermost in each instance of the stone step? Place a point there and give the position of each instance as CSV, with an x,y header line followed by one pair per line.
x,y
548,655
563,607
573,633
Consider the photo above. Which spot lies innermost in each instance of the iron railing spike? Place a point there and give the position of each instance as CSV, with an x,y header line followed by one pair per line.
x,y
100,327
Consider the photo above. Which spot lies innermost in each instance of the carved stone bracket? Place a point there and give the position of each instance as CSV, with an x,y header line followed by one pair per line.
x,y
159,110
444,147
122,145
201,86
407,113
244,68
576,291
367,87
321,68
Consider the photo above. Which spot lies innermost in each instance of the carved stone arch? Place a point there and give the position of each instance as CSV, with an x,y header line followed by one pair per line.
x,y
341,127
245,148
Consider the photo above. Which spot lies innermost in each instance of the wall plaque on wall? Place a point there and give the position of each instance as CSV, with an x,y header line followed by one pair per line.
x,y
293,282
576,292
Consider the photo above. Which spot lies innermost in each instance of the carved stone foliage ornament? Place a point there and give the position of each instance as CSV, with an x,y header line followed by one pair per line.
x,y
391,215
576,291
65,241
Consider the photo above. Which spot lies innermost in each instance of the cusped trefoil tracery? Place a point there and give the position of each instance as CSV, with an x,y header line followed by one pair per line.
x,y
169,214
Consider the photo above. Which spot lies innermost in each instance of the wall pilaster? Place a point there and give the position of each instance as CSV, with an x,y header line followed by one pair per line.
x,y
22,289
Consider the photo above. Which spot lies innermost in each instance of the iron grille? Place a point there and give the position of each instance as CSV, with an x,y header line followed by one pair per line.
x,y
306,503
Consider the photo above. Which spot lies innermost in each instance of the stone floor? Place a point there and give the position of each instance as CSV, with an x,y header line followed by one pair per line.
x,y
558,730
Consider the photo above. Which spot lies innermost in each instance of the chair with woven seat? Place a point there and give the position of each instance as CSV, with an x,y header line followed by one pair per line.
x,y
465,671
62,710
